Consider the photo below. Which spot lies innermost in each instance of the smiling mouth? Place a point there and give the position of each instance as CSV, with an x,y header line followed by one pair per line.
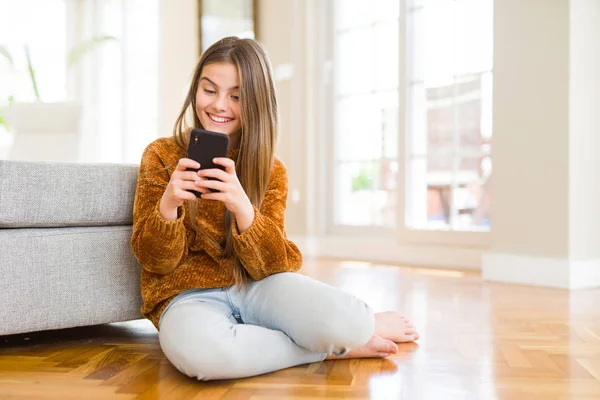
x,y
219,120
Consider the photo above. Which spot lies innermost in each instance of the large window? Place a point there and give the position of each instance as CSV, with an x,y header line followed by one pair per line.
x,y
120,85
412,114
39,28
448,125
221,18
365,116
116,84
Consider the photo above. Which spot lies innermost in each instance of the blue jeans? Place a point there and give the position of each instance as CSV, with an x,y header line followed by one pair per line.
x,y
284,320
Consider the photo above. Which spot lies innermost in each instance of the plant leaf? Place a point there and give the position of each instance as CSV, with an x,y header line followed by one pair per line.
x,y
4,51
85,47
32,74
3,121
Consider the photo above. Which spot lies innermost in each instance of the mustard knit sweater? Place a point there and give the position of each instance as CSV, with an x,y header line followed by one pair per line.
x,y
175,258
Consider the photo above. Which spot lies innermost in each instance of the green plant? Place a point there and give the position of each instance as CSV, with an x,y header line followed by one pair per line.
x,y
76,54
363,181
3,122
4,52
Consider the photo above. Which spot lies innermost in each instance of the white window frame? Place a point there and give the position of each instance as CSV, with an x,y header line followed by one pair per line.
x,y
401,234
470,239
328,62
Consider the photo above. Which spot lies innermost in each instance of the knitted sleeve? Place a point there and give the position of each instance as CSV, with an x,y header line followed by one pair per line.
x,y
264,248
159,245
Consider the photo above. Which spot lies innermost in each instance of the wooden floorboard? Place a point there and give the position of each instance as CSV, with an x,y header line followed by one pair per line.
x,y
479,340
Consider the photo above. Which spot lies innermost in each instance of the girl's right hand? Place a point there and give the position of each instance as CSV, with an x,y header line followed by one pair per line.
x,y
177,190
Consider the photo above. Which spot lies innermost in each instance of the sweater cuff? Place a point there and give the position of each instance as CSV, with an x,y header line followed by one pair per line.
x,y
164,227
252,235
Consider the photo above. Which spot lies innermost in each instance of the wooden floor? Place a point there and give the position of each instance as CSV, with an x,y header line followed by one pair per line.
x,y
478,341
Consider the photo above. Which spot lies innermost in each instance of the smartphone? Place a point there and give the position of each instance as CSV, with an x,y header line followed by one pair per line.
x,y
203,147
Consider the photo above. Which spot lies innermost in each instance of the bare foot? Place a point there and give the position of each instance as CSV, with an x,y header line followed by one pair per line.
x,y
395,327
377,347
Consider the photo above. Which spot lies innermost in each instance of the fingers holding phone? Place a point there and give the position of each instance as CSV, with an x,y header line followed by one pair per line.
x,y
225,186
181,184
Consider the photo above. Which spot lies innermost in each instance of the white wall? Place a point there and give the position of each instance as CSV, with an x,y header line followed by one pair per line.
x,y
584,128
530,175
282,32
179,53
545,217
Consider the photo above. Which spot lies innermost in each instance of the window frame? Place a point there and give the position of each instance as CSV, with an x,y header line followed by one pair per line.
x,y
401,234
405,234
331,227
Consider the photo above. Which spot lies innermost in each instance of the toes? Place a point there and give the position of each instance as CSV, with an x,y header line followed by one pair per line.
x,y
383,355
410,337
410,331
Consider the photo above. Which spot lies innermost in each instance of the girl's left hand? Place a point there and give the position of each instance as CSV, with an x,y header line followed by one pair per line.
x,y
231,192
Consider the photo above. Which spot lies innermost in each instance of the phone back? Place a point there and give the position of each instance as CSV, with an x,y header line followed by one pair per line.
x,y
206,145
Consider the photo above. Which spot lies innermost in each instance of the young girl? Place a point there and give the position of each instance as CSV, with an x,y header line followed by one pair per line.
x,y
218,277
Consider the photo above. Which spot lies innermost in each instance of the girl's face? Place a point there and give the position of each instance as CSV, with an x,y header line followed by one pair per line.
x,y
218,101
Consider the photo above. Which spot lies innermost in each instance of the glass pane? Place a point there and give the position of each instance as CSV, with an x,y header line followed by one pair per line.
x,y
438,42
366,127
440,119
141,80
44,33
472,196
366,112
221,18
352,13
385,9
457,110
439,197
449,113
473,27
429,187
467,105
438,208
366,194
110,112
353,69
390,132
437,204
387,55
439,183
411,5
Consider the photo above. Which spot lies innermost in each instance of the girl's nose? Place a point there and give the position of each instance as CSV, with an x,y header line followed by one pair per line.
x,y
221,103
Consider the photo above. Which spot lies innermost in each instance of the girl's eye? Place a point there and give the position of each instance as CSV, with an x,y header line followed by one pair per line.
x,y
208,91
236,98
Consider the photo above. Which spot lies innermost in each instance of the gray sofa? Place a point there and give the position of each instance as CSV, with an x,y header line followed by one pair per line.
x,y
65,259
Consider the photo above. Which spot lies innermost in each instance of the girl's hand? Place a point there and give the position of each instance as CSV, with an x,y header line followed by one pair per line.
x,y
177,190
231,192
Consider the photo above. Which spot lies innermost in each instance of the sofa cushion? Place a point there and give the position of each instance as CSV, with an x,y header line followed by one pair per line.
x,y
55,278
42,194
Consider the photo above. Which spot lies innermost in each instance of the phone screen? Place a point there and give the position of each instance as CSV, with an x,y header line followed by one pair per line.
x,y
204,146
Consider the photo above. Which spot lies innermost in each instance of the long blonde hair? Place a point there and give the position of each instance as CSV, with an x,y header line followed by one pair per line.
x,y
259,127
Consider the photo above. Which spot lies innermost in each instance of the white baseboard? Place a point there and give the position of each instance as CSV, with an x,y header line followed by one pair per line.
x,y
389,252
540,271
